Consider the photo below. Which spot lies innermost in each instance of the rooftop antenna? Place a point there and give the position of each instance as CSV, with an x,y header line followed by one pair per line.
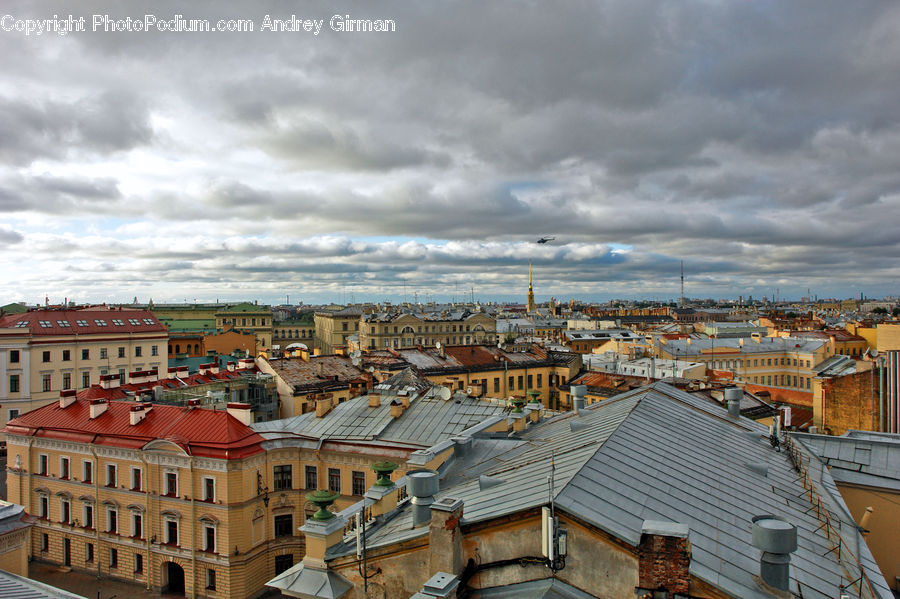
x,y
682,284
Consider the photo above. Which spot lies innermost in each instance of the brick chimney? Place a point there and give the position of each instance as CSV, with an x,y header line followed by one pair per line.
x,y
374,398
396,409
241,411
98,406
323,405
66,398
664,558
136,414
445,537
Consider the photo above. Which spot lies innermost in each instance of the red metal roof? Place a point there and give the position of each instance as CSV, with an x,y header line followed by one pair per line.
x,y
84,321
200,432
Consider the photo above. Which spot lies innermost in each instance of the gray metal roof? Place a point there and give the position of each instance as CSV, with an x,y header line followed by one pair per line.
x,y
658,453
763,345
549,588
428,420
13,586
865,458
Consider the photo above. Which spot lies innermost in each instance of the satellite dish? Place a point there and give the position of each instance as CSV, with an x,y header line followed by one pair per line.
x,y
437,344
444,393
371,369
873,352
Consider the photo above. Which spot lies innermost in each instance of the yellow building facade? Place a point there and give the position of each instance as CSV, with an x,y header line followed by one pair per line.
x,y
379,331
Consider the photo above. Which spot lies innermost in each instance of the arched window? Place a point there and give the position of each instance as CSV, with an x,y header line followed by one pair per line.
x,y
177,348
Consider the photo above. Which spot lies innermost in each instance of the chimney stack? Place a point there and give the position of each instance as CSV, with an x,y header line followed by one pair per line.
x,y
241,411
137,414
67,398
98,406
323,405
444,536
664,560
374,398
578,392
396,409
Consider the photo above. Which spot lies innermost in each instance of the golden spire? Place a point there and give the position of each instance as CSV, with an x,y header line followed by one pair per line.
x,y
529,304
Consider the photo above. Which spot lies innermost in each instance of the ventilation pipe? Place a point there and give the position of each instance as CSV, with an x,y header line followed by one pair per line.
x,y
578,396
733,397
422,485
777,539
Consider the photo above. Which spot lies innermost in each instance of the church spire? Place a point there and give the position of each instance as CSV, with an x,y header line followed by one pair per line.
x,y
529,304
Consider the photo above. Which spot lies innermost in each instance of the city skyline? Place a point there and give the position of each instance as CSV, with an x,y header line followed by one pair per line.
x,y
755,142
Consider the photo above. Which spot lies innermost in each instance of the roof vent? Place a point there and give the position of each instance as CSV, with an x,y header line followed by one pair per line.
x,y
422,485
576,425
578,392
777,539
733,397
759,468
486,482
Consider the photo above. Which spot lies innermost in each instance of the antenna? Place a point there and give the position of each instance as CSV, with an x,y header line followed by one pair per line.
x,y
682,284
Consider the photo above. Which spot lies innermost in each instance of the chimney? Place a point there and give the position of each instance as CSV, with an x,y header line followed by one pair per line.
x,y
214,368
741,341
245,363
323,405
442,584
733,397
136,414
98,406
110,381
396,409
578,392
404,399
445,537
66,398
172,372
374,398
777,539
320,369
241,411
422,485
194,402
664,558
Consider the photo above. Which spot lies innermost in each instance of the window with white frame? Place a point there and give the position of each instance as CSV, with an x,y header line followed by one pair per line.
x,y
43,506
88,515
87,471
171,483
65,510
136,479
43,461
137,524
64,468
110,475
209,538
209,488
171,531
112,520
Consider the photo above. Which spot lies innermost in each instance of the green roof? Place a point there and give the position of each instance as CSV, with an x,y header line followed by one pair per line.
x,y
13,309
245,307
190,325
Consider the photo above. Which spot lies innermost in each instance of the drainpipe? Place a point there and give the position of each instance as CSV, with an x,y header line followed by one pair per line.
x,y
193,535
148,527
97,506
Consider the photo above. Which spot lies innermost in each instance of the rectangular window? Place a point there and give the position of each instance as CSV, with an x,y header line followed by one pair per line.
x,y
46,383
530,382
110,475
121,352
334,480
85,379
521,382
103,353
496,384
209,539
14,356
282,477
45,542
171,483
137,525
12,414
209,489
44,507
138,563
154,350
14,383
87,471
43,462
85,354
312,478
65,511
64,468
46,356
88,516
113,558
210,579
511,383
359,482
283,562
540,380
112,521
67,380
138,351
67,355
284,525
171,532
136,479
89,552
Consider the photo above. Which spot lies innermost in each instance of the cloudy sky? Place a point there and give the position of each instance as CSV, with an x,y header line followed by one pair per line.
x,y
759,142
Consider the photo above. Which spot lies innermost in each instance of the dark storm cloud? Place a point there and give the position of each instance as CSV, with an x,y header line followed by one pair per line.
x,y
755,141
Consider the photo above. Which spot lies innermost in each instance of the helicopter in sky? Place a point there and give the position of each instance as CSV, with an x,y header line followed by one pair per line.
x,y
545,239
